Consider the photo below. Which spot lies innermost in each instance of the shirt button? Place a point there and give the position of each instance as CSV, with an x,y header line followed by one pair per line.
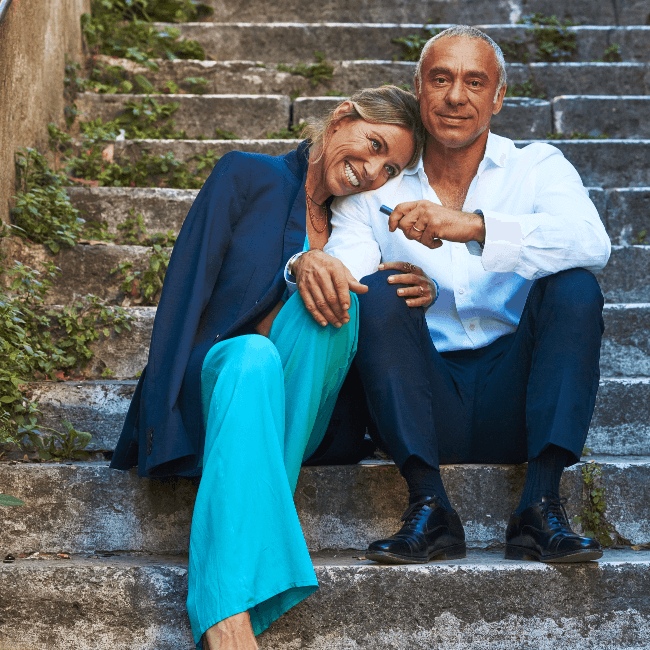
x,y
461,291
472,327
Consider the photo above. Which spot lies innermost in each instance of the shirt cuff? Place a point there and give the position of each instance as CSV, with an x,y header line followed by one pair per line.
x,y
503,240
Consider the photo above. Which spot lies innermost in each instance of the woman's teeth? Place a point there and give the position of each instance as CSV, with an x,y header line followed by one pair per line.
x,y
349,174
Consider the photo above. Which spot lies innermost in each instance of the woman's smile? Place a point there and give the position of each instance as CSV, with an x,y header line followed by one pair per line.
x,y
351,175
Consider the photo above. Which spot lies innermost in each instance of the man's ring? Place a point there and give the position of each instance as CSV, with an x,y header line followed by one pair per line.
x,y
417,229
421,290
408,267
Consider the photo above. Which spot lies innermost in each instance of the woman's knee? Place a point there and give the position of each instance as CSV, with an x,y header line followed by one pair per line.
x,y
255,356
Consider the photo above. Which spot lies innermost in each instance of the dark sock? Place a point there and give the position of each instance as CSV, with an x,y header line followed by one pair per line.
x,y
543,476
424,481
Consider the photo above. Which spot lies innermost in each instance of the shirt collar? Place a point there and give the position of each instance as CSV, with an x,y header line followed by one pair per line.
x,y
496,153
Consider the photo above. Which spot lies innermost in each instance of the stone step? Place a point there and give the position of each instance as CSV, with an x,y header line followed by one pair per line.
x,y
292,42
87,269
88,507
620,426
601,163
257,78
625,350
624,211
126,602
586,12
523,117
249,116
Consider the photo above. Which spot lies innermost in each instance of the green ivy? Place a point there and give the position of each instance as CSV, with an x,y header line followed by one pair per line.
x,y
7,500
528,88
60,445
144,287
292,133
412,45
594,505
316,72
123,28
43,212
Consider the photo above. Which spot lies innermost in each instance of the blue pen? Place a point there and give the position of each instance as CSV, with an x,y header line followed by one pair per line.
x,y
386,210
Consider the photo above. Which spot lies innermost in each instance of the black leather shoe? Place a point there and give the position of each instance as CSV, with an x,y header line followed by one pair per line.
x,y
542,532
429,532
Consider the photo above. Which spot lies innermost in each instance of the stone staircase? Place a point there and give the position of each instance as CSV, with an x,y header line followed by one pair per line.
x,y
124,584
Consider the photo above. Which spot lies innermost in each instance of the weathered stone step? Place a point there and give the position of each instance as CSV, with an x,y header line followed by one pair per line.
x,y
249,116
601,163
295,42
624,211
126,602
237,77
88,507
620,426
87,269
586,12
523,117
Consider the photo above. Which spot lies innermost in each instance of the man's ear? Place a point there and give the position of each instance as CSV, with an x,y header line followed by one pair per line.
x,y
499,100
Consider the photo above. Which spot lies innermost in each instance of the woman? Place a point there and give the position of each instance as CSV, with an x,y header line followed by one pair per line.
x,y
241,378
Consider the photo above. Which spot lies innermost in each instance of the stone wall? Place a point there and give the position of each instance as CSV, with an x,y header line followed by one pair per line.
x,y
34,38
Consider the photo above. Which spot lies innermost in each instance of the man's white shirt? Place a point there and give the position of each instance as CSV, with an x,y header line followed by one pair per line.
x,y
539,220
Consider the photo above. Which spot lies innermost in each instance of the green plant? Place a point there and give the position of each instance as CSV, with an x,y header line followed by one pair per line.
x,y
335,93
552,40
316,72
123,28
139,120
594,505
612,54
528,88
43,212
197,85
412,45
292,133
221,134
640,239
133,231
70,444
576,136
144,286
7,500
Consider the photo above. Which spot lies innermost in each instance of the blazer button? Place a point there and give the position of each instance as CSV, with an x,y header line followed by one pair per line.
x,y
217,336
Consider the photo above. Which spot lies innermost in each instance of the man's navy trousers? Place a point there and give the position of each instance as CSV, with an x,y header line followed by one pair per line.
x,y
503,403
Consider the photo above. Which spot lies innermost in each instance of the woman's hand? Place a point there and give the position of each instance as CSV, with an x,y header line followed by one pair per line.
x,y
421,291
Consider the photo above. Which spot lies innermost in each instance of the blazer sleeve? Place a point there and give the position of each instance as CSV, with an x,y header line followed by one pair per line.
x,y
190,280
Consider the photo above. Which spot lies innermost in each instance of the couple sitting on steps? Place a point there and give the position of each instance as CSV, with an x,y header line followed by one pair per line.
x,y
448,270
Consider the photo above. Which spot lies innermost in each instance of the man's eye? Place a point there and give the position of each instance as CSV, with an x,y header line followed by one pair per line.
x,y
475,83
440,80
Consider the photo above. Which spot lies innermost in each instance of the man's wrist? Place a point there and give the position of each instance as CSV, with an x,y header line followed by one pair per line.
x,y
481,234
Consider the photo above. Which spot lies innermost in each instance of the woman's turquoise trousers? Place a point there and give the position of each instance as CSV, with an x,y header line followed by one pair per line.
x,y
267,404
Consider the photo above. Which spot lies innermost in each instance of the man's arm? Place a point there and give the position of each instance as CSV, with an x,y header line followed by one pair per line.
x,y
564,231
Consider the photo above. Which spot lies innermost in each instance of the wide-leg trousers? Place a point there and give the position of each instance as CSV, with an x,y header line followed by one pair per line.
x,y
504,403
267,403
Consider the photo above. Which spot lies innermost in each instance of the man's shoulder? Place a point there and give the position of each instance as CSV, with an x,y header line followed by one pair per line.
x,y
532,152
382,195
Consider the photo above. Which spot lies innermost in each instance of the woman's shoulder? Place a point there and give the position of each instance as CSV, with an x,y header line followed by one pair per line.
x,y
254,163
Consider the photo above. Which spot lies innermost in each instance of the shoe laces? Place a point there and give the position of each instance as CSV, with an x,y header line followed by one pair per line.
x,y
412,513
555,508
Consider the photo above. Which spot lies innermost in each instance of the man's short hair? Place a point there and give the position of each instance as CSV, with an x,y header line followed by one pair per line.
x,y
465,31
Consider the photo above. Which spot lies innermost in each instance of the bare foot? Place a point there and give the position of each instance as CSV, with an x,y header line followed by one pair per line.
x,y
233,633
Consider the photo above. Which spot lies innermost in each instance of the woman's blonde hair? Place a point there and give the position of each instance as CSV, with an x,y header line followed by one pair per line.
x,y
384,105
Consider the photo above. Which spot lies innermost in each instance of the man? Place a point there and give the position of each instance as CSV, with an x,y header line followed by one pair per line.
x,y
503,367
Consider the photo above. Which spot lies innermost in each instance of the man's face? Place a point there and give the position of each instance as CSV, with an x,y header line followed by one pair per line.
x,y
459,82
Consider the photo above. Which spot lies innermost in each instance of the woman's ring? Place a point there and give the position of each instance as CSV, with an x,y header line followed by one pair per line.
x,y
417,229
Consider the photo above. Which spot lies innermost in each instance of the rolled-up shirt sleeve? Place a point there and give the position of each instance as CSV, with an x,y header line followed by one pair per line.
x,y
563,232
352,240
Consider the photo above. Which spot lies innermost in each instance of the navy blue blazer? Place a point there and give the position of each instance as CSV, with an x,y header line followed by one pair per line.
x,y
226,272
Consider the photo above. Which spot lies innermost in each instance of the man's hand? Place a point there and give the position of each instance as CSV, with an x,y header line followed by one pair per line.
x,y
325,284
430,223
422,289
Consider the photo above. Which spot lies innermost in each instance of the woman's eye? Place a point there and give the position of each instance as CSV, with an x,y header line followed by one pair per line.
x,y
391,171
375,144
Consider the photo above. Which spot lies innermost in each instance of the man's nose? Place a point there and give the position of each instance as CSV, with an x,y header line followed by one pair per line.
x,y
456,94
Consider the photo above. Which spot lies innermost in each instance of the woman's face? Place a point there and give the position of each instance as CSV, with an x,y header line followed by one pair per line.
x,y
360,156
